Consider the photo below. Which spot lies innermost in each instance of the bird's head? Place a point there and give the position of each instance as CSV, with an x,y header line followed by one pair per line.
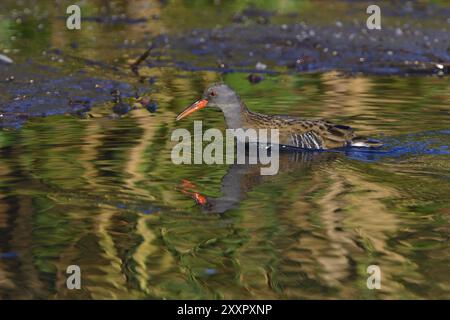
x,y
217,95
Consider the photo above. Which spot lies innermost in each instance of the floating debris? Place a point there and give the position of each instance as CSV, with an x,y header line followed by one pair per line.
x,y
116,95
260,66
222,65
152,106
121,108
262,20
210,271
238,18
255,78
80,106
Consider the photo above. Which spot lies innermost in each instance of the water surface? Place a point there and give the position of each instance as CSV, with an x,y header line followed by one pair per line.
x,y
102,193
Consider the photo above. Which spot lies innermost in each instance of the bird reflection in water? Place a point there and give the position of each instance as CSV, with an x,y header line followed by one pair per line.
x,y
242,178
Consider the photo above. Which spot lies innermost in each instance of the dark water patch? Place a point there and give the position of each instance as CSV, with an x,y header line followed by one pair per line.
x,y
42,91
424,143
350,48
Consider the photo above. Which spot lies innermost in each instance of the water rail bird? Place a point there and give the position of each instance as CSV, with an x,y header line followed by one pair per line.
x,y
293,132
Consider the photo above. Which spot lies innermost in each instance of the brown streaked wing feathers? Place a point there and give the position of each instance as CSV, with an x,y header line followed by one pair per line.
x,y
295,130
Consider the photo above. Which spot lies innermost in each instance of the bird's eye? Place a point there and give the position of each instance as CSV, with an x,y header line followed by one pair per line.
x,y
212,94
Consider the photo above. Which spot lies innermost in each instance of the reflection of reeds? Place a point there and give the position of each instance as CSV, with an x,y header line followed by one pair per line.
x,y
330,226
134,168
113,271
372,223
345,95
7,276
4,206
347,229
20,277
110,267
144,250
90,140
135,156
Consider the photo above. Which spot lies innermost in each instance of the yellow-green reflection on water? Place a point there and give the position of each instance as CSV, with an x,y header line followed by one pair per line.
x,y
102,193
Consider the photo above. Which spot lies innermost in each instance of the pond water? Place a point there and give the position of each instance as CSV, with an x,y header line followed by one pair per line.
x,y
102,193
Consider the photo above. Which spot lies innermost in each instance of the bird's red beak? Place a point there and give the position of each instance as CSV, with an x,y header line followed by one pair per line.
x,y
200,104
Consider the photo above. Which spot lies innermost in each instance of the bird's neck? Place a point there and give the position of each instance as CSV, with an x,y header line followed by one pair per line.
x,y
236,114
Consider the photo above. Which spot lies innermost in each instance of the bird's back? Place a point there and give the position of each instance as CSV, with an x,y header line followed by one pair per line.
x,y
302,133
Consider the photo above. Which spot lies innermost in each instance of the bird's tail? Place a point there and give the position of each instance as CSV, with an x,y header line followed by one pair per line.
x,y
362,142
